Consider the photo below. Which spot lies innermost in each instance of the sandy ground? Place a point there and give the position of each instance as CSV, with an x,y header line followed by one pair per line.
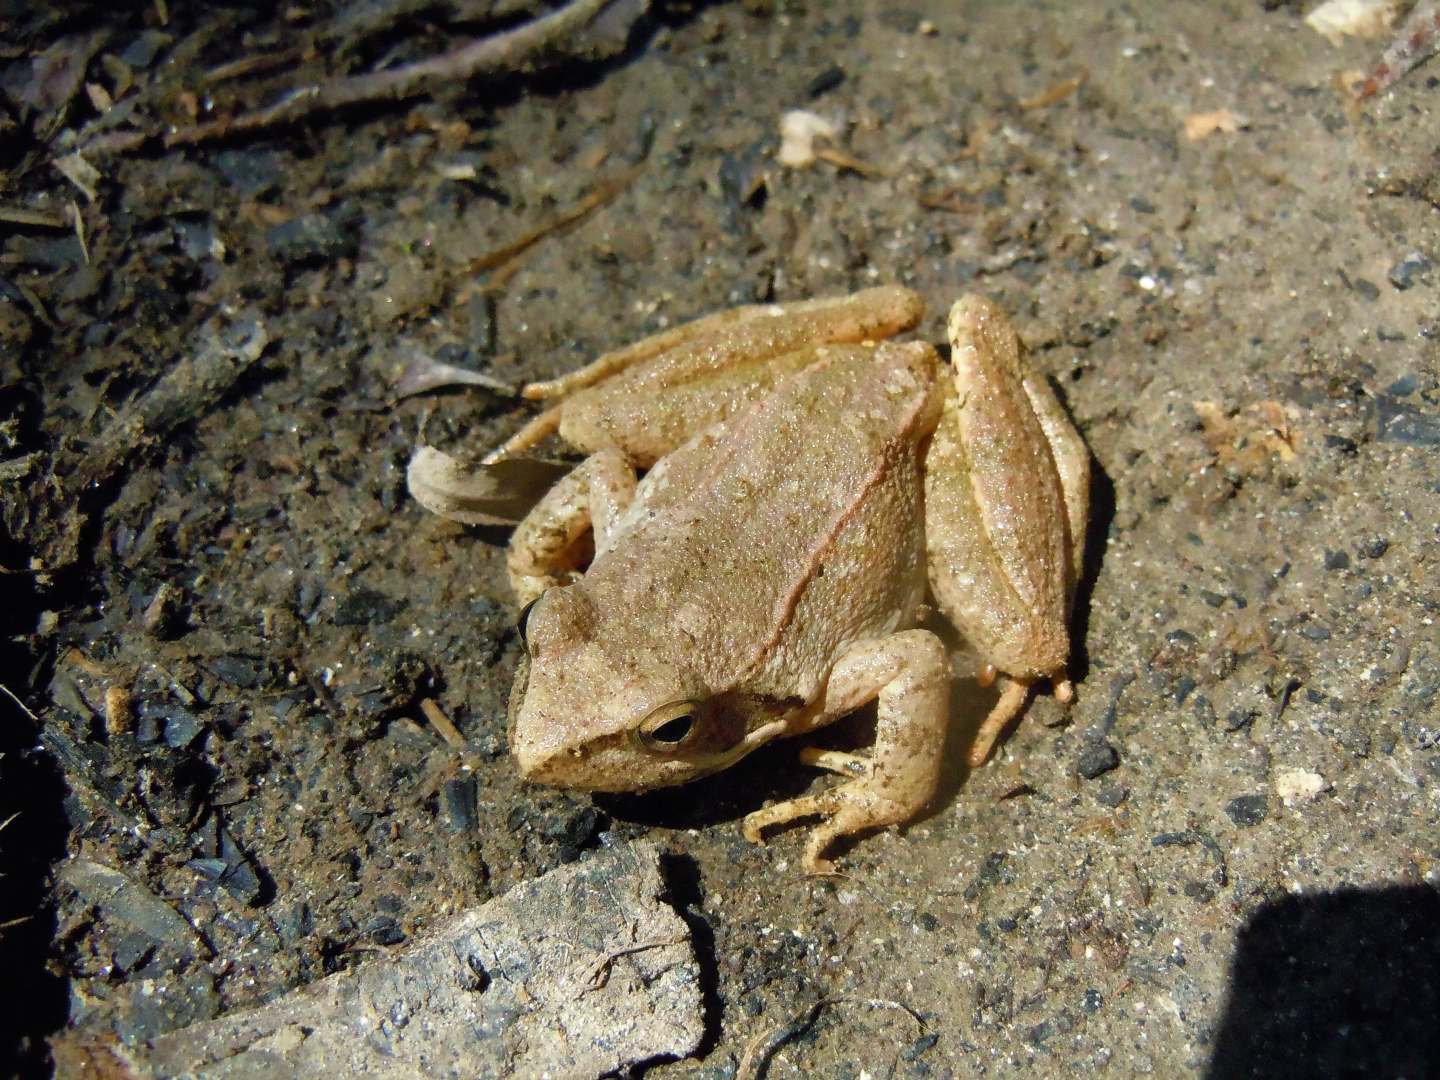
x,y
1222,859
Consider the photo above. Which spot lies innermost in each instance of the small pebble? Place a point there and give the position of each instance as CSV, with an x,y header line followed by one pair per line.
x,y
827,80
365,607
1298,785
1375,547
1112,795
1403,274
1398,422
1368,289
1315,632
1247,810
458,800
1096,759
1405,385
1336,560
1236,719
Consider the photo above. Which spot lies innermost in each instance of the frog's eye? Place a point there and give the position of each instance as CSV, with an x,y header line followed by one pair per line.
x,y
524,621
669,727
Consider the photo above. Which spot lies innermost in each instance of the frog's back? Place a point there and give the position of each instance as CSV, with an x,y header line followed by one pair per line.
x,y
794,528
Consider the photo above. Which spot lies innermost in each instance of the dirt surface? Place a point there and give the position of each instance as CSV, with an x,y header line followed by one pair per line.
x,y
223,612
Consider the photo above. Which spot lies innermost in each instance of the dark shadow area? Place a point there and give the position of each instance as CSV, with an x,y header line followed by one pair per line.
x,y
33,828
772,772
1343,984
687,893
1097,532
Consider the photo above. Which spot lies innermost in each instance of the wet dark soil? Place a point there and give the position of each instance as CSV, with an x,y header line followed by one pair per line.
x,y
223,612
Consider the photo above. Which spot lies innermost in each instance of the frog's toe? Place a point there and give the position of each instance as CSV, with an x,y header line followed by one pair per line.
x,y
836,761
847,809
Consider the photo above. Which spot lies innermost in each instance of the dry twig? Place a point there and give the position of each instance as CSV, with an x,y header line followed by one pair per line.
x,y
761,1048
507,51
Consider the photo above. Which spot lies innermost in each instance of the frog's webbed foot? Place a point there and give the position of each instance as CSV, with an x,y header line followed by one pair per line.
x,y
907,674
846,809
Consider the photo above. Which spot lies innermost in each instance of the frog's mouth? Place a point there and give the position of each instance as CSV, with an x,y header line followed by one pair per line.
x,y
753,740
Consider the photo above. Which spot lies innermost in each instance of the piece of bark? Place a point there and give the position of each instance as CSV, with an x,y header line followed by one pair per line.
x,y
225,354
577,973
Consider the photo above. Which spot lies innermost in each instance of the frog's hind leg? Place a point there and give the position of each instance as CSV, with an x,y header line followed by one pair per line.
x,y
907,675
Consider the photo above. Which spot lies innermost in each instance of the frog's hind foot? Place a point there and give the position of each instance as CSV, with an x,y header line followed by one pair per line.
x,y
1014,694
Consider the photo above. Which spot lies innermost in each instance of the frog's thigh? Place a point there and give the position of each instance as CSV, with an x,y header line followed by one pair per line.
x,y
1072,462
548,544
908,674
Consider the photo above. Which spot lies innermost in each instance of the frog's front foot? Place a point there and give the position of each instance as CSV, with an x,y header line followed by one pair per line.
x,y
907,675
849,808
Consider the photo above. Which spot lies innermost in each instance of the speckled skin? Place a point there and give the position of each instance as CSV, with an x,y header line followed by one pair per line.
x,y
766,576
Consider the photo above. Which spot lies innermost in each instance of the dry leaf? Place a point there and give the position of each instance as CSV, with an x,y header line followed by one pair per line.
x,y
1245,441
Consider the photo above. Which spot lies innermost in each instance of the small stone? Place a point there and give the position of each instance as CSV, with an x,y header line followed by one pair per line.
x,y
458,800
310,240
163,616
182,728
1298,785
1367,289
1237,719
1336,560
1398,422
919,1046
1375,547
1096,758
1403,274
1184,687
1315,632
384,930
1092,1001
251,172
238,670
1112,795
365,607
1341,444
1247,810
1405,385
576,831
827,80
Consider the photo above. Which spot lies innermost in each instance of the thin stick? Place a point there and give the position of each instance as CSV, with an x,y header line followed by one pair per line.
x,y
23,707
500,52
763,1047
442,724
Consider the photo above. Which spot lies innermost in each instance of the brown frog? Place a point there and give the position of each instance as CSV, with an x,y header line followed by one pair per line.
x,y
806,486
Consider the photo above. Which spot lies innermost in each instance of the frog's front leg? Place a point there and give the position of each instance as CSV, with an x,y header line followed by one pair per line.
x,y
574,518
908,676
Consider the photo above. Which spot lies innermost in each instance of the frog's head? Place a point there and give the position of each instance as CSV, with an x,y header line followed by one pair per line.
x,y
590,712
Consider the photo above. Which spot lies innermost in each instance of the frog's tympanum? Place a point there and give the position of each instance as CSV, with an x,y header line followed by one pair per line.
x,y
808,482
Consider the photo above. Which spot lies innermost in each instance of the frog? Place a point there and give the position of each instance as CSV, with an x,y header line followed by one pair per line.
x,y
773,499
